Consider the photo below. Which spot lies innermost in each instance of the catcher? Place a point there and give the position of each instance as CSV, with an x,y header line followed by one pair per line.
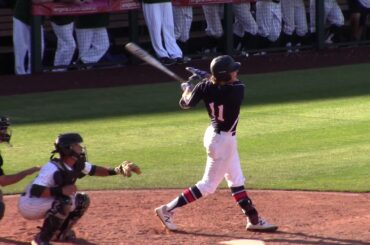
x,y
53,195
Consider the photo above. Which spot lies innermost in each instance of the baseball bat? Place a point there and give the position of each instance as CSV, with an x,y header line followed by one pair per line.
x,y
145,56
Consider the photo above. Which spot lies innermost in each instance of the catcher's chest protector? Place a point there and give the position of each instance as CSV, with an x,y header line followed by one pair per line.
x,y
64,176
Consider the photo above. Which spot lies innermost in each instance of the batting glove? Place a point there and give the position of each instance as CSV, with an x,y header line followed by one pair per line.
x,y
187,86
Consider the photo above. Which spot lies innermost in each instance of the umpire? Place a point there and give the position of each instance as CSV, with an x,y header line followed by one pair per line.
x,y
5,135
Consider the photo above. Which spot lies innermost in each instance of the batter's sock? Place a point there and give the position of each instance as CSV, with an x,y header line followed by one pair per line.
x,y
240,196
187,196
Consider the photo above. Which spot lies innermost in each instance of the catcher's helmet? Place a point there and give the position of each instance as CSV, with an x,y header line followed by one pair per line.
x,y
5,132
63,144
222,66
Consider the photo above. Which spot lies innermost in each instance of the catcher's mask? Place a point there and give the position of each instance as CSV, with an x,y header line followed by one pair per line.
x,y
222,66
5,131
63,146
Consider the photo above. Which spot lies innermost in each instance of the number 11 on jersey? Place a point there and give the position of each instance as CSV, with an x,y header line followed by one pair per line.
x,y
220,112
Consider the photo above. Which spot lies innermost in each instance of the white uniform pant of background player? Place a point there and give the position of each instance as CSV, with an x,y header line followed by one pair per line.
x,y
66,44
222,162
22,46
213,13
294,17
333,14
364,3
34,208
268,17
244,21
182,17
159,19
92,43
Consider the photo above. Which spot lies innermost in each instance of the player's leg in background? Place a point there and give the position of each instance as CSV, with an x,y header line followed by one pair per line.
x,y
214,31
99,44
183,18
289,25
169,39
276,24
22,45
153,18
336,19
245,27
301,24
264,20
66,44
84,38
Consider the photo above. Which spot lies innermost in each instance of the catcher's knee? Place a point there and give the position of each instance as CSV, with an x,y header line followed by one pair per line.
x,y
2,210
60,208
82,202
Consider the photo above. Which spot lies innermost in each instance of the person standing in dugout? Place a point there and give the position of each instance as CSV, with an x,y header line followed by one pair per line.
x,y
5,135
53,195
222,94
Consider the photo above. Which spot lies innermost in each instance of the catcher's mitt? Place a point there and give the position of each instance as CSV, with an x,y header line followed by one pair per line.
x,y
126,168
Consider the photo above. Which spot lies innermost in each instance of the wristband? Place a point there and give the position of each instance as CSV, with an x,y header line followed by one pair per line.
x,y
111,171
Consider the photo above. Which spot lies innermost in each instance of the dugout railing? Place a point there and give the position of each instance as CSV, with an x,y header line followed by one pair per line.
x,y
134,24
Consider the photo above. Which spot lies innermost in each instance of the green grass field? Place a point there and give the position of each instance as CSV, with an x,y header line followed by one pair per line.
x,y
305,130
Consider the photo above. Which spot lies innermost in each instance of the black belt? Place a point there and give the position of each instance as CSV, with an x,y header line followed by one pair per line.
x,y
217,131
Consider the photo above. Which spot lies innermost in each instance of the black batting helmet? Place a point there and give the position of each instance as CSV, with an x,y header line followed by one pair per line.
x,y
5,133
222,66
64,141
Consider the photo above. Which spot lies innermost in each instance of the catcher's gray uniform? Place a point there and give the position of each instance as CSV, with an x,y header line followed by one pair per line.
x,y
269,20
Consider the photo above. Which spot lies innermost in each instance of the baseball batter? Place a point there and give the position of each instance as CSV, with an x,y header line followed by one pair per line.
x,y
5,135
53,195
222,94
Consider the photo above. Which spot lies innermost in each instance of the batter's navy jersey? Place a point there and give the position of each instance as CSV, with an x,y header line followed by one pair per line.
x,y
222,102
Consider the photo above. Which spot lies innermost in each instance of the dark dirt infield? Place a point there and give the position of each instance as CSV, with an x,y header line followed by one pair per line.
x,y
127,217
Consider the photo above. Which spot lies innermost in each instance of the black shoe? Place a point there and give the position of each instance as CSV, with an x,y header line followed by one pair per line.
x,y
167,61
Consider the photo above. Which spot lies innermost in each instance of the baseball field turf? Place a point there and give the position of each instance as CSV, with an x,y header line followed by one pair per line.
x,y
301,130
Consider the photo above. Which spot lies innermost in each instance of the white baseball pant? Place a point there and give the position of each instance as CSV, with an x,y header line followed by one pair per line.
x,y
223,162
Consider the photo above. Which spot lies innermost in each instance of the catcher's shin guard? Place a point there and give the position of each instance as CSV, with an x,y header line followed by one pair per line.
x,y
54,218
241,197
64,233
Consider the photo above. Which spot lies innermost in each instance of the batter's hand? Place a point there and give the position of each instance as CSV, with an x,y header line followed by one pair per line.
x,y
126,168
187,86
198,74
